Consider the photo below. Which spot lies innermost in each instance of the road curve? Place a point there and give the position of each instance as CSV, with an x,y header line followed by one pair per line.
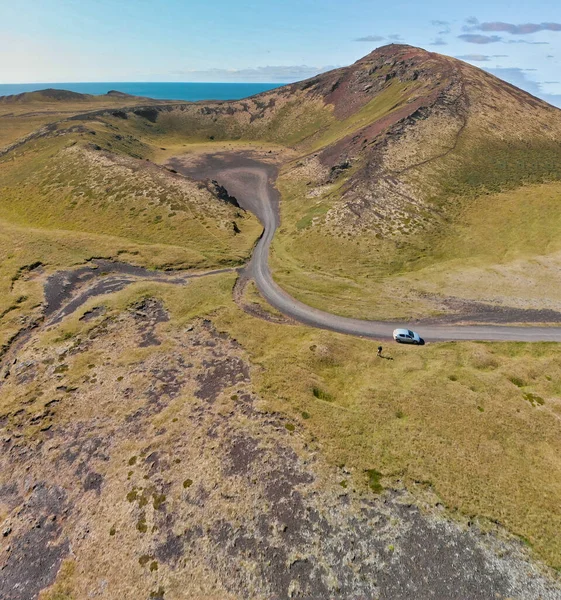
x,y
263,202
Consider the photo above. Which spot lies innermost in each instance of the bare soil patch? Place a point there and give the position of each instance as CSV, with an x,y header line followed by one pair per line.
x,y
218,167
469,311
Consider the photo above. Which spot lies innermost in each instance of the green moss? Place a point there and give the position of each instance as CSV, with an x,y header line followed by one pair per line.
x,y
132,460
112,531
497,167
290,427
534,399
144,560
132,495
296,121
305,415
153,566
315,211
141,525
158,500
517,381
187,483
321,394
394,95
65,335
374,477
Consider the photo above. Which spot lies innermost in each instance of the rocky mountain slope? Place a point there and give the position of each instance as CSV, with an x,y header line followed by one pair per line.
x,y
400,134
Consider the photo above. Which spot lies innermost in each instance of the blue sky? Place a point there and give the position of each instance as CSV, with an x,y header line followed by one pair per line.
x,y
269,40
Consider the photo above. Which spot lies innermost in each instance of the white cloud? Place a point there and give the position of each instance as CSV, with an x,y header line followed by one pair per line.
x,y
370,38
268,74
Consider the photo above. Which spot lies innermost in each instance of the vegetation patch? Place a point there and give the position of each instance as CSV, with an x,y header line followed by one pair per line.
x,y
374,477
141,525
534,399
322,394
514,165
158,501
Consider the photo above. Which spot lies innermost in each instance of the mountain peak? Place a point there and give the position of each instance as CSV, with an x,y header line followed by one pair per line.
x,y
395,49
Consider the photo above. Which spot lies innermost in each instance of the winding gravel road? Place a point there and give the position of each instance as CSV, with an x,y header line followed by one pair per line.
x,y
252,185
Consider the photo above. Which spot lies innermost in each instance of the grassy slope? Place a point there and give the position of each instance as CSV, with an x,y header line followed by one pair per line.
x,y
20,118
293,120
368,277
62,202
476,423
389,99
79,189
485,202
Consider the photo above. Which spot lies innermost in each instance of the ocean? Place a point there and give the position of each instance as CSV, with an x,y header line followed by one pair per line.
x,y
158,91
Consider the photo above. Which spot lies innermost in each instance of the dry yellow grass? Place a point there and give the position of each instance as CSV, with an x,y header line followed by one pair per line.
x,y
498,248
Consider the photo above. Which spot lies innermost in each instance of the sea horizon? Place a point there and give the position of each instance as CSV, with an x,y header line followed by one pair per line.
x,y
189,91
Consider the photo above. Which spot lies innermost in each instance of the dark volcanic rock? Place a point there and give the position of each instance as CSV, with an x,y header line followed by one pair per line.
x,y
93,481
37,551
148,113
222,193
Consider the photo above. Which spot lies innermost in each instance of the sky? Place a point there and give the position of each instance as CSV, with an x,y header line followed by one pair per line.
x,y
44,41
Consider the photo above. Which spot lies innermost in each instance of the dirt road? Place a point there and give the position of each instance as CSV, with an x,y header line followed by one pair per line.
x,y
251,182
